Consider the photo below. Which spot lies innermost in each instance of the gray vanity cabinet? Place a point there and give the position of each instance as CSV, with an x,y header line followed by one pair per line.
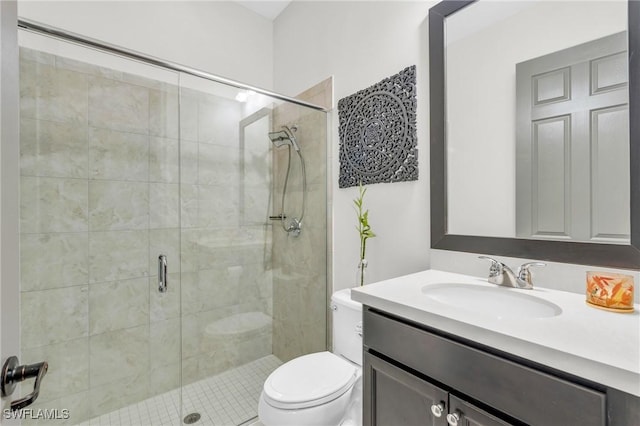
x,y
395,397
408,368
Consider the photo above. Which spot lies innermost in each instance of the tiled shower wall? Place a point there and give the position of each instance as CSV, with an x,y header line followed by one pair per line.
x,y
106,186
300,276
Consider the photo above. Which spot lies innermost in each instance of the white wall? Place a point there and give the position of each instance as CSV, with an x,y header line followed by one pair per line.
x,y
220,37
360,43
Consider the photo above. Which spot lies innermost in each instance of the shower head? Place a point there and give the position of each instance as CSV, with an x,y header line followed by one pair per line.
x,y
284,137
280,138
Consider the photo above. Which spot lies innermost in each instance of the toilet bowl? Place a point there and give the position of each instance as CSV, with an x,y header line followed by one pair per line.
x,y
323,388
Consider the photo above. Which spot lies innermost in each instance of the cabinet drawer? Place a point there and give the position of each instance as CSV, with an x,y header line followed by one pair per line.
x,y
524,393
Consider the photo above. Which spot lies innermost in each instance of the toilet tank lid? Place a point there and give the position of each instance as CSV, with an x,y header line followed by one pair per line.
x,y
309,380
343,297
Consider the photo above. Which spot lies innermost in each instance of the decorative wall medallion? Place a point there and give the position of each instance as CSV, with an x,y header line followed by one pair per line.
x,y
378,132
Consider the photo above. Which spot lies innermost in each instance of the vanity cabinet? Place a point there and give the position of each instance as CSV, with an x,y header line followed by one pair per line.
x,y
408,368
397,397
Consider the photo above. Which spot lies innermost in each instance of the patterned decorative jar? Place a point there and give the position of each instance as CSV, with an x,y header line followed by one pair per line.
x,y
609,291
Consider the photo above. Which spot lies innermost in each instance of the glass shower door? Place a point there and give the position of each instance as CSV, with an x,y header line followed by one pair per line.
x,y
100,202
253,296
226,276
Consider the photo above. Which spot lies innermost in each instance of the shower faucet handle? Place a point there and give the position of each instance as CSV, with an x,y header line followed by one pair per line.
x,y
294,228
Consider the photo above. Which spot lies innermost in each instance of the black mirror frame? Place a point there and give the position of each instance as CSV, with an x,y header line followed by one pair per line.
x,y
605,255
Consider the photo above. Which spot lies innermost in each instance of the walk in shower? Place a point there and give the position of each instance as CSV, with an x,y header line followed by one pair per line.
x,y
126,163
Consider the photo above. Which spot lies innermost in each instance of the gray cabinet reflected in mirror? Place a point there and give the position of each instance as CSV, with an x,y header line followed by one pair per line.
x,y
533,152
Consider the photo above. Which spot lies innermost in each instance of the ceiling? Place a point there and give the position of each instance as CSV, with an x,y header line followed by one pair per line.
x,y
270,9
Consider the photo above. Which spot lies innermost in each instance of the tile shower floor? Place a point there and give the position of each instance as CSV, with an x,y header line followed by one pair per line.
x,y
227,399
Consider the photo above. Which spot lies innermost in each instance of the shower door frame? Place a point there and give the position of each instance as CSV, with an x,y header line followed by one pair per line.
x,y
40,28
9,190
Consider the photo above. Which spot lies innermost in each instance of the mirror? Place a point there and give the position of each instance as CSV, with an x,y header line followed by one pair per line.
x,y
532,149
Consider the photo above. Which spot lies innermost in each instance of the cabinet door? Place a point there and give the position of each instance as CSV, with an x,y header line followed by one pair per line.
x,y
394,397
470,415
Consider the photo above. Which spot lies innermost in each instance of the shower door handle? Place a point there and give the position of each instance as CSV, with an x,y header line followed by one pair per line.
x,y
12,373
162,273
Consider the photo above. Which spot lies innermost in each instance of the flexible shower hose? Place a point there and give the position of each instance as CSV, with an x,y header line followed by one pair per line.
x,y
296,223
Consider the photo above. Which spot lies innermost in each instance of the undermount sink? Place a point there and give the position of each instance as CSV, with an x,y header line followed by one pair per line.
x,y
496,301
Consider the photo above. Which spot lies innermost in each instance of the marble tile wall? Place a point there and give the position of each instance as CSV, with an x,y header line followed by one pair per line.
x,y
117,169
300,279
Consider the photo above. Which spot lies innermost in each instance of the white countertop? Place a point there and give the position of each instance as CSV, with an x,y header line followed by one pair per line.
x,y
595,344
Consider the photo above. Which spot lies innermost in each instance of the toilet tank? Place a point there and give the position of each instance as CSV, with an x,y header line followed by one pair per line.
x,y
347,326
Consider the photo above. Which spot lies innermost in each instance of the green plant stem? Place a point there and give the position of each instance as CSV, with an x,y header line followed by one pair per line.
x,y
364,229
363,246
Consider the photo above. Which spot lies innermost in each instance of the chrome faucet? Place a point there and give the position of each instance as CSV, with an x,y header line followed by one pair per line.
x,y
501,274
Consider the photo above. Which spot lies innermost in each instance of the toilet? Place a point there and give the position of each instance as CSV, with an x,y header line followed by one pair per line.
x,y
323,388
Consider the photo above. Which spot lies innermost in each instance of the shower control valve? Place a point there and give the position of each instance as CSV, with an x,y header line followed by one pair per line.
x,y
294,228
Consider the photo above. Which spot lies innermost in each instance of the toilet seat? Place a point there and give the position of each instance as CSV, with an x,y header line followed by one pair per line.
x,y
309,381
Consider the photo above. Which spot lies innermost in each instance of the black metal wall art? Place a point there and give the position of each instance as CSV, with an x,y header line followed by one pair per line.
x,y
378,132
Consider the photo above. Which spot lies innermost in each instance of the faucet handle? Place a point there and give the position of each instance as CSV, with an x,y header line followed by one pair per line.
x,y
496,268
523,271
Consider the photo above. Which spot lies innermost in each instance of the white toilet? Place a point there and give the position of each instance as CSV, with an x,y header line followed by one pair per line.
x,y
322,388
